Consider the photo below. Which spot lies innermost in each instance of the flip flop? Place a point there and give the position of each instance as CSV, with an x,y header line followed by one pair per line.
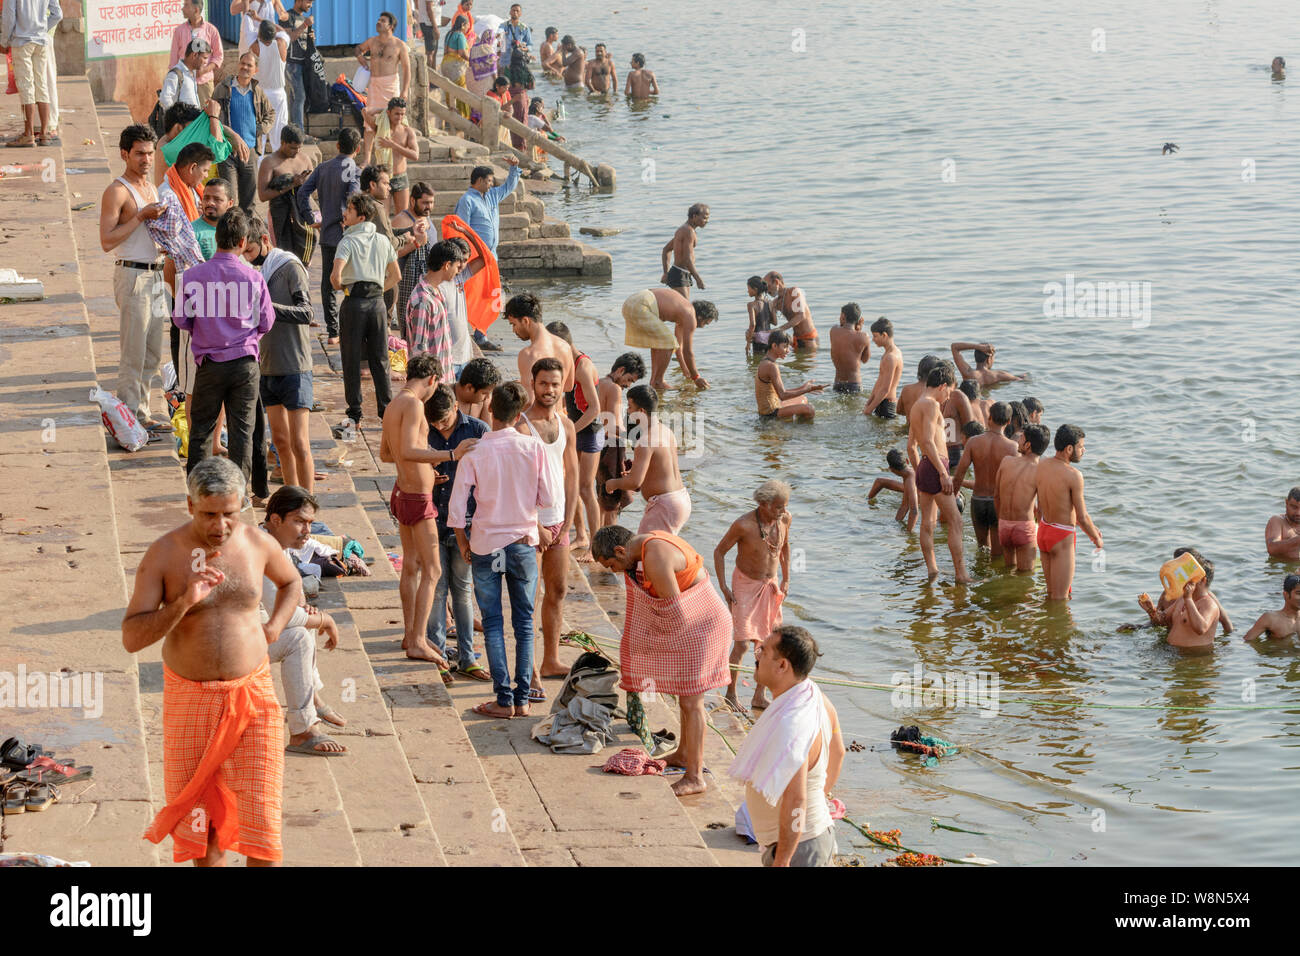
x,y
330,715
446,676
40,796
482,713
536,695
45,770
14,753
31,145
308,747
475,672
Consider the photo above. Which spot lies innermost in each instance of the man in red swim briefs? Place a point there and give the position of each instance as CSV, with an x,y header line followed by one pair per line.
x,y
1060,501
405,442
927,451
1013,499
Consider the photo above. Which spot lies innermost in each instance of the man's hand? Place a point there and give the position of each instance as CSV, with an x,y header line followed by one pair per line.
x,y
466,554
699,283
700,382
785,588
301,177
201,583
544,537
239,146
149,212
663,279
465,447
512,160
945,484
331,629
212,108
726,593
610,485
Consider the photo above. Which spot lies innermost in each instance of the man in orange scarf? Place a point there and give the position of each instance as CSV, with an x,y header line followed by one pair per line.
x,y
199,587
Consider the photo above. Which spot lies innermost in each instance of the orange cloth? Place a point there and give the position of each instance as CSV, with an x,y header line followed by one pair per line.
x,y
189,199
483,296
684,578
223,765
757,609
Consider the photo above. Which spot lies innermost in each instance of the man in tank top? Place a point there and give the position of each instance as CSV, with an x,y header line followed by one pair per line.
x,y
128,202
559,441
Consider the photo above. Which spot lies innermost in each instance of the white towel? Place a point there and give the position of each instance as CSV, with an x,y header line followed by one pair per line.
x,y
780,740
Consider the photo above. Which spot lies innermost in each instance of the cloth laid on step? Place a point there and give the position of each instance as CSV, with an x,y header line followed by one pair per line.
x,y
631,762
583,726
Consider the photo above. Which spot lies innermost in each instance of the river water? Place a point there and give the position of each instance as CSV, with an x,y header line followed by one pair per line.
x,y
941,164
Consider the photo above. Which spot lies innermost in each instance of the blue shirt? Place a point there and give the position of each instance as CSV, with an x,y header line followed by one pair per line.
x,y
334,181
479,210
242,117
513,34
466,427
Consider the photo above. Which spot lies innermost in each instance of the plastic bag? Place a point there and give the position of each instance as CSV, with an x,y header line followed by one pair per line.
x,y
181,429
361,79
119,420
397,364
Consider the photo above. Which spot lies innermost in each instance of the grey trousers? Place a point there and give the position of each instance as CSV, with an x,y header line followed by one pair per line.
x,y
295,651
819,851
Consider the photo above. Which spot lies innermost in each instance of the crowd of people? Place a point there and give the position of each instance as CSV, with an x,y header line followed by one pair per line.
x,y
498,482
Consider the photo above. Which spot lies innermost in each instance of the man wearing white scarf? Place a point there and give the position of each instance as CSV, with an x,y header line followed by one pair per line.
x,y
792,756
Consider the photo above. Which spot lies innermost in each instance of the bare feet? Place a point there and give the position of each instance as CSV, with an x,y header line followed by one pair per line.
x,y
332,340
492,709
688,785
424,651
521,710
734,703
675,759
554,669
662,386
758,703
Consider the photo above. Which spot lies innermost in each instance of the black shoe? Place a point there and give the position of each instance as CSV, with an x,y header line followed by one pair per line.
x,y
487,345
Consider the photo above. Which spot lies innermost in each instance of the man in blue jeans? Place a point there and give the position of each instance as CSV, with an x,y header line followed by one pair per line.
x,y
299,23
508,476
448,427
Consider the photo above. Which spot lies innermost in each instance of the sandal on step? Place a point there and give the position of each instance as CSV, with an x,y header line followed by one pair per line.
x,y
445,674
15,798
45,770
308,747
40,796
536,695
475,672
18,755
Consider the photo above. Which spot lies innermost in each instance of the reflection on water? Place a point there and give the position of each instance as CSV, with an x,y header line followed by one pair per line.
x,y
1057,171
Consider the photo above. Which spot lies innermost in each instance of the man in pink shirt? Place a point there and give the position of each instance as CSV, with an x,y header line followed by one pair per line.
x,y
196,26
508,476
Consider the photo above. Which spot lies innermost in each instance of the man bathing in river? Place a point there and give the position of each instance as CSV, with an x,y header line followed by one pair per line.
x,y
1283,623
904,485
914,390
790,302
1014,494
677,633
762,541
925,449
654,470
664,322
1159,612
405,442
881,400
1060,501
640,83
680,275
986,452
1282,533
850,350
199,587
770,394
1195,616
983,373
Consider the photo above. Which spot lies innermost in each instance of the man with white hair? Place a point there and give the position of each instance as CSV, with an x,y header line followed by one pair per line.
x,y
762,541
198,588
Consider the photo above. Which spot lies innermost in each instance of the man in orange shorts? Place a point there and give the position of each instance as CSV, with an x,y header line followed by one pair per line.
x,y
1013,499
1060,501
199,587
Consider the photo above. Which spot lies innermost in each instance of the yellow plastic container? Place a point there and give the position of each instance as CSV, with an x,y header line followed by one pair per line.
x,y
1175,575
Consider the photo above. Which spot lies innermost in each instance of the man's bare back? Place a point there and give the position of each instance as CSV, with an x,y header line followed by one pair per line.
x,y
662,474
850,350
575,65
641,84
987,453
1017,488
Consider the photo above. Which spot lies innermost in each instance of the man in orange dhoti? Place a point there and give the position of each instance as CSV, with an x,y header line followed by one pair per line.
x,y
675,633
199,587
762,541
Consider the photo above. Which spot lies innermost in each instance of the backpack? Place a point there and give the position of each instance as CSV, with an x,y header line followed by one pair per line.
x,y
157,116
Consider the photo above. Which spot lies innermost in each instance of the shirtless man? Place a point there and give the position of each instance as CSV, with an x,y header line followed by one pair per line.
x,y
600,76
957,412
644,315
200,588
389,61
1194,617
914,390
1060,502
986,453
287,229
983,373
641,83
405,442
654,470
401,144
904,484
628,369
573,61
850,350
679,276
549,53
979,407
1159,612
560,440
774,400
1283,623
925,450
1013,499
881,400
790,301
1033,410
762,541
524,313
1282,533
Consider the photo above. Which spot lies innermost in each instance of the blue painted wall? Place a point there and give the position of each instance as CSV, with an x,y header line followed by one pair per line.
x,y
338,22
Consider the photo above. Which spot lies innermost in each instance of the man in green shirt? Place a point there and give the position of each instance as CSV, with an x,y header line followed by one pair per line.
x,y
216,200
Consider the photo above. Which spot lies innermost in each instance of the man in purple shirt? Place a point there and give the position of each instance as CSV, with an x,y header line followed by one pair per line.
x,y
225,306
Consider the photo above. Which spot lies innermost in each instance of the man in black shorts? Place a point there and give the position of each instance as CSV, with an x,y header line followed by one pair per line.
x,y
679,276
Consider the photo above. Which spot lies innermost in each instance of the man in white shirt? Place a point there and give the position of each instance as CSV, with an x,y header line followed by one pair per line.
x,y
182,81
25,28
